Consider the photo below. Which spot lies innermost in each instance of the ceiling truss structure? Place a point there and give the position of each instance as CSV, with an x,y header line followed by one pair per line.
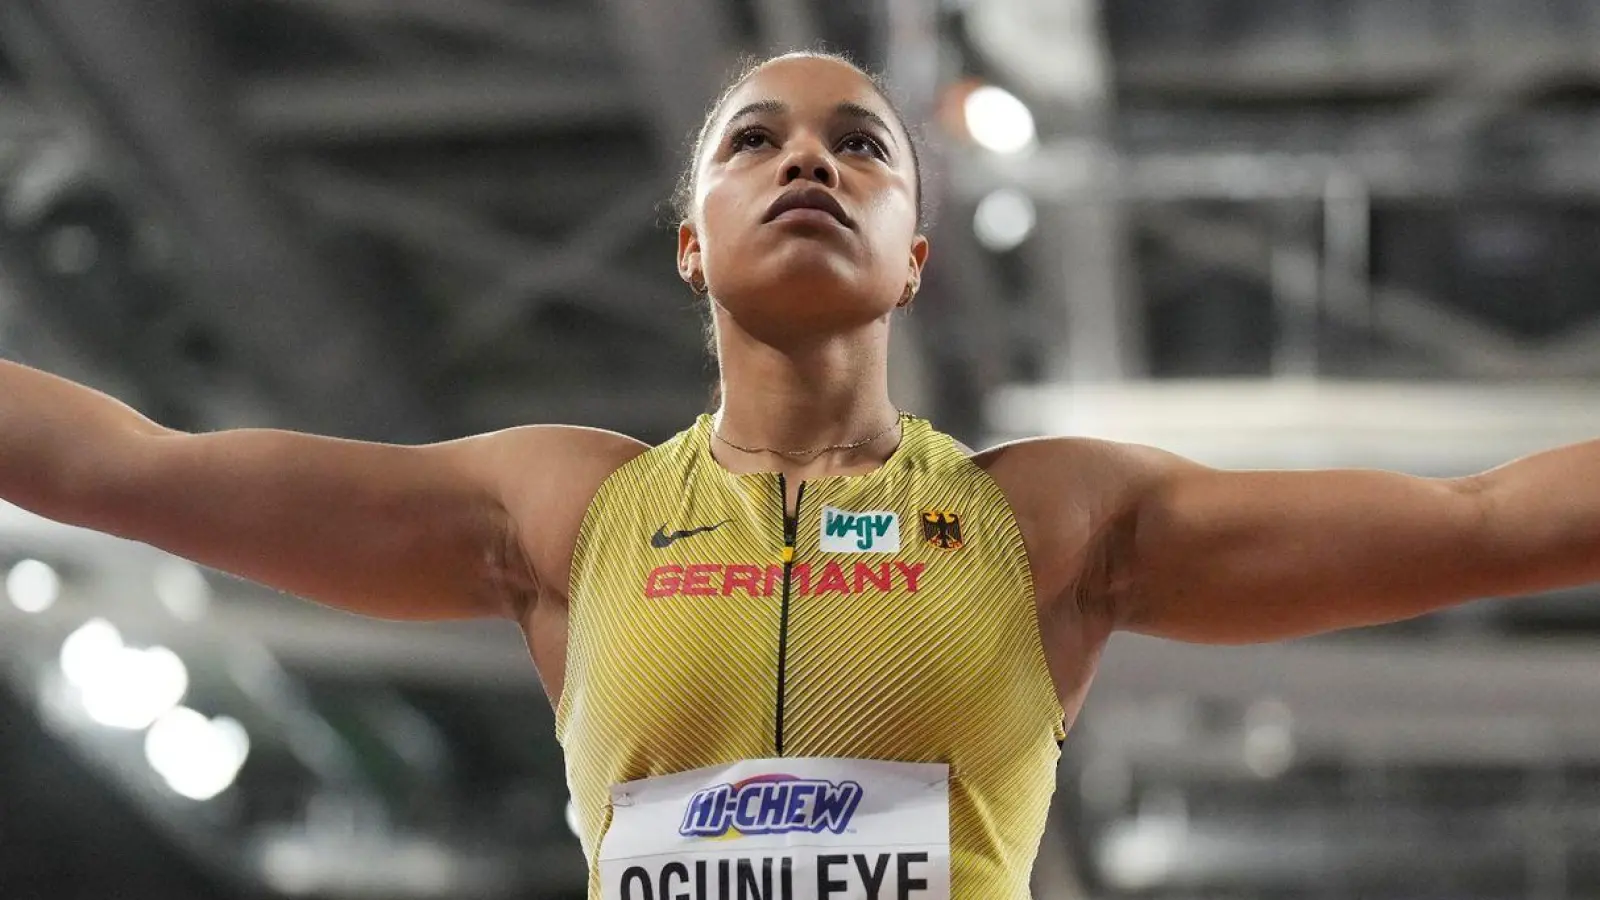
x,y
511,179
261,289
1326,202
1276,150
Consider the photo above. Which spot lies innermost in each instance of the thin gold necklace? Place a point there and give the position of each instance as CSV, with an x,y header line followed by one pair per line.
x,y
807,454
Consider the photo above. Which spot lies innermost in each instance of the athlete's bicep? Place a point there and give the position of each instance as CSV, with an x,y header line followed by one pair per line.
x,y
1133,538
1213,556
389,531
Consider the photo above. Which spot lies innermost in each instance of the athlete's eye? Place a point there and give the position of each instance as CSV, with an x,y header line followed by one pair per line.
x,y
748,138
861,142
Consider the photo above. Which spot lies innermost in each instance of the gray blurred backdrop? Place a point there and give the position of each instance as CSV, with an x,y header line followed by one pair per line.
x,y
1259,232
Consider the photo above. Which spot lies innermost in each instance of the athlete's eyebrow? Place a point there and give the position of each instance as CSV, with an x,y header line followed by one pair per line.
x,y
848,109
851,110
772,107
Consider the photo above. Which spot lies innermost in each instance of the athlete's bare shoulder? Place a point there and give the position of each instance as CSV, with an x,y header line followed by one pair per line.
x,y
531,455
1062,491
548,475
571,441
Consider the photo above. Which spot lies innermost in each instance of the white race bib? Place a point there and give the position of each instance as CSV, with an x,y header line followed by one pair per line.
x,y
782,829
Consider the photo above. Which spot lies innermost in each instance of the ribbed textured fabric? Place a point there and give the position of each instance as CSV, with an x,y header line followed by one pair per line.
x,y
930,654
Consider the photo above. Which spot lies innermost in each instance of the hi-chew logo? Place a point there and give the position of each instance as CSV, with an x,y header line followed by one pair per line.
x,y
771,804
877,531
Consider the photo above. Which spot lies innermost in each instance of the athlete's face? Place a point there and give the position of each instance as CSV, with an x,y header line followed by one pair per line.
x,y
816,133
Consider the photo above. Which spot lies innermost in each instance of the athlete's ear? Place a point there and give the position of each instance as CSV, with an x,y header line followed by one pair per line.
x,y
690,268
919,257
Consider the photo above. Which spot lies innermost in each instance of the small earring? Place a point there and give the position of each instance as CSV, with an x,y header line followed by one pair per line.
x,y
909,295
698,285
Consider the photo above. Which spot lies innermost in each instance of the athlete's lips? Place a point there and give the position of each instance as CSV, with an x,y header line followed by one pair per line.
x,y
811,197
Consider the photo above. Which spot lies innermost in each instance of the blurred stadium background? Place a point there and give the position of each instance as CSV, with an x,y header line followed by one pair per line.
x,y
1285,233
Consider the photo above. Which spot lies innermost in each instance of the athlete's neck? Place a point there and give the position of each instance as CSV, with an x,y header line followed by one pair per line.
x,y
828,392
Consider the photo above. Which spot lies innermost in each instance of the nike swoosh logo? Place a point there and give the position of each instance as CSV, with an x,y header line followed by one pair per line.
x,y
662,540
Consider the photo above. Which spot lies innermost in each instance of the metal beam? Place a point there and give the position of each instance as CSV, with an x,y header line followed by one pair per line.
x,y
140,72
1173,745
419,104
525,270
536,32
1426,429
418,222
60,326
1408,318
581,263
946,353
1328,68
1085,282
1541,692
675,56
1201,155
29,336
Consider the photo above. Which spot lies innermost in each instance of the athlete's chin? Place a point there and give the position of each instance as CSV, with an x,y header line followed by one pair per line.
x,y
797,250
812,267
802,282
816,293
801,307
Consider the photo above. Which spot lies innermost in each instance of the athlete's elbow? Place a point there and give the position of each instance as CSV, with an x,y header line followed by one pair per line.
x,y
102,486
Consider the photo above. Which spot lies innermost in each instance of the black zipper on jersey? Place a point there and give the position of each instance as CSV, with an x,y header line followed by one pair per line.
x,y
791,527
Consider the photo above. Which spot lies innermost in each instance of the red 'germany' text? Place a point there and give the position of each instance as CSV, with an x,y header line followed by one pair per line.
x,y
717,580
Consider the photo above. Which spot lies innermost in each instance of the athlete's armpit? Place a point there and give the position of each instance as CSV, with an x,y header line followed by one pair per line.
x,y
548,476
1067,499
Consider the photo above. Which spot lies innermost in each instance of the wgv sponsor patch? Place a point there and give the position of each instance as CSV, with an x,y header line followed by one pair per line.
x,y
876,531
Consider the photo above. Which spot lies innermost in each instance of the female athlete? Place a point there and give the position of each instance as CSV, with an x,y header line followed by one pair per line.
x,y
810,647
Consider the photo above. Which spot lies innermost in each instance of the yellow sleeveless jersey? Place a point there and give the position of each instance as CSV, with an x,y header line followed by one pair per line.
x,y
891,618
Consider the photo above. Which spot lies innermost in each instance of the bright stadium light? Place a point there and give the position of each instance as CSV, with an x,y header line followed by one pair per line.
x,y
1004,219
33,586
84,651
998,121
135,687
182,589
198,757
120,686
1139,855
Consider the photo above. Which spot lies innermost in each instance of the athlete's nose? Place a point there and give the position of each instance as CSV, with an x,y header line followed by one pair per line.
x,y
809,163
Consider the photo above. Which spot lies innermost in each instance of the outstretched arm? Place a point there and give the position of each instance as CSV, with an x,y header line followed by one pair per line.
x,y
425,532
1182,551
